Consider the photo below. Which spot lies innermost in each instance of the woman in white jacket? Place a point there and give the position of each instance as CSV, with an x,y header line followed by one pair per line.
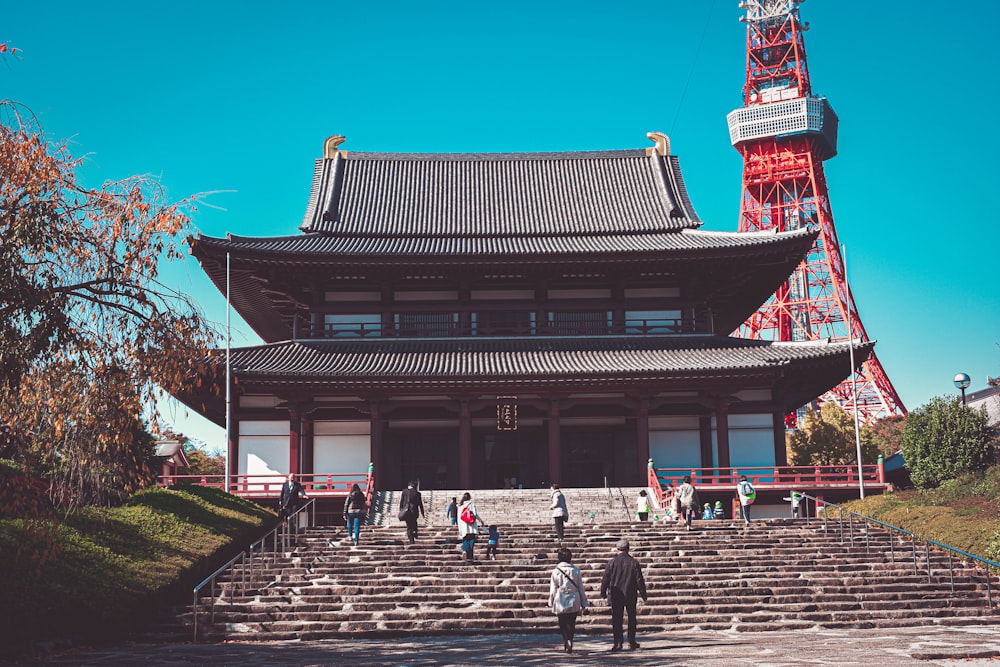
x,y
468,530
567,596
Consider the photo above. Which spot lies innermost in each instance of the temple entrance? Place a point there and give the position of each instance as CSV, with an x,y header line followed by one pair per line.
x,y
595,456
509,459
427,456
592,455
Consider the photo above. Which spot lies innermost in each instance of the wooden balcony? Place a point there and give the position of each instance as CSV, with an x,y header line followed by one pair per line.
x,y
447,326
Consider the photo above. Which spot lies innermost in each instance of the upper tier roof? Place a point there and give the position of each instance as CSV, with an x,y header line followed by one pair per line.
x,y
498,194
377,217
305,249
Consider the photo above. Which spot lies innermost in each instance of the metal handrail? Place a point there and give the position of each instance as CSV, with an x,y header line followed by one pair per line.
x,y
985,563
628,512
243,557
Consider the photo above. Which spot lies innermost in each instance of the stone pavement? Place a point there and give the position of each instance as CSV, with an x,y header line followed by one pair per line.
x,y
931,645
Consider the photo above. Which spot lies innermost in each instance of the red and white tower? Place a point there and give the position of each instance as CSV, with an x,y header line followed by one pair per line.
x,y
784,134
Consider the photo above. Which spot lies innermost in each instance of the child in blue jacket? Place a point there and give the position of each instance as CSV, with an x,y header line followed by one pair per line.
x,y
491,545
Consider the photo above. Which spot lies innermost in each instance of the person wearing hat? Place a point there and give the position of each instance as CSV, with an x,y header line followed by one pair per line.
x,y
707,513
718,511
622,585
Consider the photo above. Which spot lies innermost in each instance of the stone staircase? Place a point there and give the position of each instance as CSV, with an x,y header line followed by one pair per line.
x,y
517,507
777,574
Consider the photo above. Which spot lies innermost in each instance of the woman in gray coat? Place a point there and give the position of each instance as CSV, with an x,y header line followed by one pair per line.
x,y
567,596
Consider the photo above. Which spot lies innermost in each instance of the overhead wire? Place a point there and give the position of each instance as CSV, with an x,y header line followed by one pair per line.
x,y
694,63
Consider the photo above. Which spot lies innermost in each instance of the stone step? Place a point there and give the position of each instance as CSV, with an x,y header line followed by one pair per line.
x,y
779,573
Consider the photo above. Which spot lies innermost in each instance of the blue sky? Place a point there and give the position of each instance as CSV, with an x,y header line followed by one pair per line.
x,y
236,98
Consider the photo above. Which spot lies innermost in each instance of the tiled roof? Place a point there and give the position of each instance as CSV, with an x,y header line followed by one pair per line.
x,y
481,361
498,194
798,372
320,248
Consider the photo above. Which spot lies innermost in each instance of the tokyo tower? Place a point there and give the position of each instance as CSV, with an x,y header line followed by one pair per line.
x,y
784,134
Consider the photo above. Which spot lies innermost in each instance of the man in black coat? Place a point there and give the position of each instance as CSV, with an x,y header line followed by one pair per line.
x,y
621,586
411,506
291,493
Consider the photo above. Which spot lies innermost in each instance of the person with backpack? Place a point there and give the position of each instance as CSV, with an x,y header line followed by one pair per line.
x,y
567,596
468,522
411,507
354,511
687,500
747,494
559,511
795,499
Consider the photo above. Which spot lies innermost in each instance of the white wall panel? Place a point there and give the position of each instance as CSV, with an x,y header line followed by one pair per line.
x,y
276,427
675,449
264,460
751,440
340,454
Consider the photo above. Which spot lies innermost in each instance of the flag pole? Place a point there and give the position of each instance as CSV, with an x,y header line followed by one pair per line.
x,y
854,377
228,381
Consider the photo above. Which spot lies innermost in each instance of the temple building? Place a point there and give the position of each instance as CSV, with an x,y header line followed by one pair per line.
x,y
487,320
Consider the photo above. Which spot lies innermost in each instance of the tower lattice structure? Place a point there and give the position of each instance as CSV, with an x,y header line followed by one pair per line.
x,y
784,134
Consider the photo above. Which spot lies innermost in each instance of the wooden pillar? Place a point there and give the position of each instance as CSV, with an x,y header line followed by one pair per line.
x,y
780,452
705,433
376,444
308,445
294,440
722,433
642,439
234,449
464,445
555,446
618,316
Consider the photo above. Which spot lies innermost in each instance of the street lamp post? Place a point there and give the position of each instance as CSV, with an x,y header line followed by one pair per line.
x,y
962,381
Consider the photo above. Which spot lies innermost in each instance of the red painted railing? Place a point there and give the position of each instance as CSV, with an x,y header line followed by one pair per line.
x,y
782,478
269,486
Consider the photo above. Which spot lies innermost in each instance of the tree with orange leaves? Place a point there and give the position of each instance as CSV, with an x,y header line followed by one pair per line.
x,y
89,335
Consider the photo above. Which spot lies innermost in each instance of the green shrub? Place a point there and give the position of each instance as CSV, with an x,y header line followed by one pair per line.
x,y
944,439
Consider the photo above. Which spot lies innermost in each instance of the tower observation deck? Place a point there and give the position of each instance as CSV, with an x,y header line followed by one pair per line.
x,y
784,134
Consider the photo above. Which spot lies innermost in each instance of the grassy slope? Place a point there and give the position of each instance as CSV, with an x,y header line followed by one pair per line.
x,y
114,565
963,513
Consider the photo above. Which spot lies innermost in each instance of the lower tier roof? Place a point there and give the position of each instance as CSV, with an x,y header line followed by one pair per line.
x,y
799,371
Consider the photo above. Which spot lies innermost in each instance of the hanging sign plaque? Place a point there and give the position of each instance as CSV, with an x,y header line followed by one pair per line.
x,y
506,413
